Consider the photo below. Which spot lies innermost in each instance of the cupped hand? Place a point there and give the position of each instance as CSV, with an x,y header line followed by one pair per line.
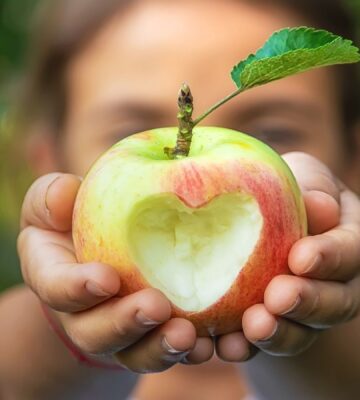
x,y
324,289
135,330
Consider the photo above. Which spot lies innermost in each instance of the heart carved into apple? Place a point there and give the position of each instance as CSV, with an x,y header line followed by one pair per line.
x,y
206,215
194,254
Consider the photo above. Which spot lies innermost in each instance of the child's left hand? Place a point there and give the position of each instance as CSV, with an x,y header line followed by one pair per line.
x,y
325,288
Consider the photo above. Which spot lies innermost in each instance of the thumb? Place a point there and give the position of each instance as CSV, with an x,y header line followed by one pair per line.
x,y
49,202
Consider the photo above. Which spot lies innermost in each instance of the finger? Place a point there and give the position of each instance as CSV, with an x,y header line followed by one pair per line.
x,y
276,336
160,349
117,323
320,189
314,303
311,174
50,268
234,347
202,352
335,254
49,202
322,210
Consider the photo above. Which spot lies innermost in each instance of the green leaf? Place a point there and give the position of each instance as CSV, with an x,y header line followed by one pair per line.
x,y
290,51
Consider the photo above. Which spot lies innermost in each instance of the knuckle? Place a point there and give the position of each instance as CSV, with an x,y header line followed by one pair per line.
x,y
26,252
327,183
125,336
65,299
323,181
342,263
121,330
336,259
53,290
70,295
24,241
152,298
350,306
82,341
45,294
310,312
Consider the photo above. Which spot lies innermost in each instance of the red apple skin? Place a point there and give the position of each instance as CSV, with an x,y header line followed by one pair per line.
x,y
197,181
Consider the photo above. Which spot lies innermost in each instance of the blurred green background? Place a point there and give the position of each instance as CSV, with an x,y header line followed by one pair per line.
x,y
15,22
15,18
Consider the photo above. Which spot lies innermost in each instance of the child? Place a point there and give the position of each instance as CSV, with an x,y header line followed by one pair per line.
x,y
104,70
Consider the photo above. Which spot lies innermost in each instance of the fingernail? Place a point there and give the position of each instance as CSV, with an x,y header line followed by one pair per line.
x,y
47,193
293,307
142,319
170,349
268,339
94,289
313,264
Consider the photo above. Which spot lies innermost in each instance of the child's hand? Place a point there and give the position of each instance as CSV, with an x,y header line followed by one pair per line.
x,y
325,288
137,328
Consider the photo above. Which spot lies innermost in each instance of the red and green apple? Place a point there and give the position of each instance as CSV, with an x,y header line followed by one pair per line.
x,y
209,230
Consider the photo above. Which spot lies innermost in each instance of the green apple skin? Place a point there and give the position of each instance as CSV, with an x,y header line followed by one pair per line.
x,y
221,161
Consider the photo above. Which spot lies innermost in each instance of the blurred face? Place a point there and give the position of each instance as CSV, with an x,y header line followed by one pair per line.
x,y
127,77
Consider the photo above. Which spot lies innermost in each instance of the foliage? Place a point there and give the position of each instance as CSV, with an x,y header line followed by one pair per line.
x,y
290,51
14,23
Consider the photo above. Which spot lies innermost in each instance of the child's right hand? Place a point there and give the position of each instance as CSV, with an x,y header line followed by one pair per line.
x,y
84,297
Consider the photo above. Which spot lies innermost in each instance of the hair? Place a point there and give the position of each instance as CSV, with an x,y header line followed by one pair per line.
x,y
64,26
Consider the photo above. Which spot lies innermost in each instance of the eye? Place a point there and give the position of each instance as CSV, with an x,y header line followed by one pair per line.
x,y
277,135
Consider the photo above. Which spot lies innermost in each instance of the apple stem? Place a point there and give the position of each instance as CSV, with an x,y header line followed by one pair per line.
x,y
186,123
184,116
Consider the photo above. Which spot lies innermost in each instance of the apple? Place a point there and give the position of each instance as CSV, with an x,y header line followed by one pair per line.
x,y
210,230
